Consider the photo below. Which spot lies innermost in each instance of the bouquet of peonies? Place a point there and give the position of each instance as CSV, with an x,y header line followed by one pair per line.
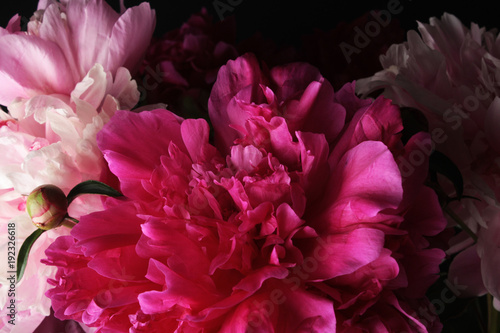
x,y
190,183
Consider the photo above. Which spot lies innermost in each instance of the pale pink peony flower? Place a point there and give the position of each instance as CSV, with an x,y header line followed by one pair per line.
x,y
62,80
281,226
65,40
53,145
451,73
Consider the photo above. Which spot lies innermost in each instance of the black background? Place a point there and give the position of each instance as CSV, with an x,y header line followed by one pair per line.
x,y
285,21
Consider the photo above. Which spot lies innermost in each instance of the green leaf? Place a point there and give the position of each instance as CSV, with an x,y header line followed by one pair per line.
x,y
440,163
92,187
22,257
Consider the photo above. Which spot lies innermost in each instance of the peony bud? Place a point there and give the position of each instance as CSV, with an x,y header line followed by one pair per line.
x,y
47,206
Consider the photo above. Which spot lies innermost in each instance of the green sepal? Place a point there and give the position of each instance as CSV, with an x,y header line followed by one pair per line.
x,y
92,187
22,257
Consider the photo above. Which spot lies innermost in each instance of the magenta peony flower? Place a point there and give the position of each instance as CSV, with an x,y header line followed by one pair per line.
x,y
183,63
61,80
450,73
297,219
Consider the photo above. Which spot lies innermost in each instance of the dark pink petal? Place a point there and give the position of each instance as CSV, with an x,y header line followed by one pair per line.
x,y
340,254
314,152
128,158
95,234
195,136
162,241
274,136
365,182
180,291
347,97
381,121
233,77
413,163
311,107
282,310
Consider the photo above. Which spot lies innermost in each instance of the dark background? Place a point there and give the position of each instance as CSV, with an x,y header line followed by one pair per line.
x,y
285,21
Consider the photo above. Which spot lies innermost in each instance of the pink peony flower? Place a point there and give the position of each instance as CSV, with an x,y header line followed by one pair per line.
x,y
182,65
450,73
60,91
298,219
63,43
54,144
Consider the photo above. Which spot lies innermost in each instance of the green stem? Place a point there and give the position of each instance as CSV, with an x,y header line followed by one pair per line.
x,y
493,316
461,223
479,314
69,222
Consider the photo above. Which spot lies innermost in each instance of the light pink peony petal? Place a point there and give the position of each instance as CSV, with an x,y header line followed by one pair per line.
x,y
465,271
54,29
134,27
13,26
124,90
496,304
491,124
91,90
245,158
487,249
91,23
30,66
